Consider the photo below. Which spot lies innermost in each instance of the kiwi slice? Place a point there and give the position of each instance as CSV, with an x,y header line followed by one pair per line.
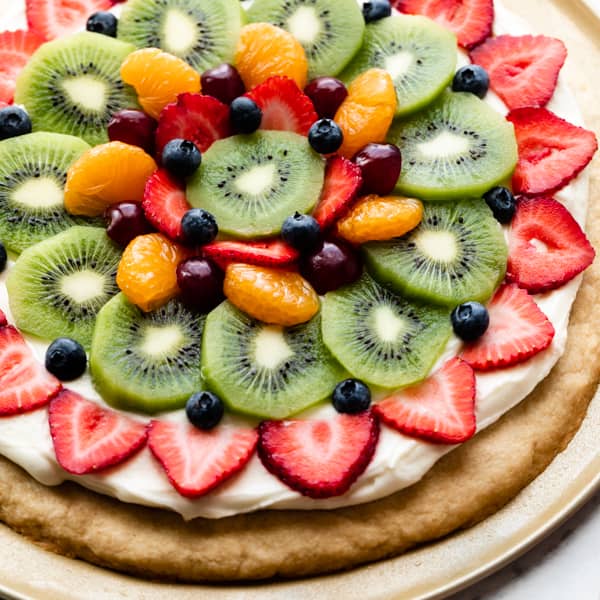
x,y
330,32
419,54
457,253
458,147
57,287
252,183
147,362
73,85
202,32
265,370
383,338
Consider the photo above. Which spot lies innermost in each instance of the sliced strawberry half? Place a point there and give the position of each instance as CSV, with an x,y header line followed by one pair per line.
x,y
319,458
470,20
201,119
523,70
197,461
518,330
547,247
15,49
165,204
24,383
343,180
284,106
552,151
269,254
441,409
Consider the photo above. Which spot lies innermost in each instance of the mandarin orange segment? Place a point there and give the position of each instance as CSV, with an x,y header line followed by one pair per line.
x,y
271,295
105,175
158,78
377,218
373,88
264,51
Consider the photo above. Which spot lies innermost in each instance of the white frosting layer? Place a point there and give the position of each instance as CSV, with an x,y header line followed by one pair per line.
x,y
399,460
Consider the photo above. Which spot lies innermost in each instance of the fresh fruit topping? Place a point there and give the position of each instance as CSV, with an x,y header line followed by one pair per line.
x,y
88,438
551,150
201,284
147,272
197,461
547,248
245,115
3,320
502,203
325,136
105,175
343,180
472,79
181,158
470,321
14,121
376,10
523,70
470,20
199,227
66,359
133,127
266,254
518,330
327,95
351,396
380,165
301,232
103,22
319,458
271,295
204,410
24,384
3,261
375,218
158,78
15,49
439,410
265,51
223,83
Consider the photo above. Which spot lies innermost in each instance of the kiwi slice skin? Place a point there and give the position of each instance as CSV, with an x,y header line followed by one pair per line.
x,y
202,32
146,362
419,54
73,85
382,338
467,228
458,147
252,183
338,27
57,287
298,371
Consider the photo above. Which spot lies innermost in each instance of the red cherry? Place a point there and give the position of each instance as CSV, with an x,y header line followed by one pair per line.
x,y
133,127
201,284
326,93
125,221
380,165
223,83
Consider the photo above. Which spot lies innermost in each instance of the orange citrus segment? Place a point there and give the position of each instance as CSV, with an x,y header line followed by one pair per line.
x,y
373,88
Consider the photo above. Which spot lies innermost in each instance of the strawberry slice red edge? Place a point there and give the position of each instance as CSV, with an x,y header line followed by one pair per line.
x,y
274,253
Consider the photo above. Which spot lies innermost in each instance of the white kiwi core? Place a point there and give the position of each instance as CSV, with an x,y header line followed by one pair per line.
x,y
398,64
437,245
162,341
305,25
82,286
257,180
179,32
388,325
271,348
445,145
86,91
41,192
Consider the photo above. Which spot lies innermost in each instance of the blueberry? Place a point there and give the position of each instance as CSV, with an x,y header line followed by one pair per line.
x,y
245,115
375,10
502,203
3,257
204,410
14,121
325,136
181,157
66,359
473,79
302,232
351,396
199,227
102,22
470,321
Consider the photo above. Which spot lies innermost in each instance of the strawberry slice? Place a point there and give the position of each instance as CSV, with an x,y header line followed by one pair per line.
x,y
197,461
470,20
265,254
551,151
56,18
15,49
518,330
547,248
165,204
523,70
24,383
201,119
88,438
319,458
284,106
343,180
441,409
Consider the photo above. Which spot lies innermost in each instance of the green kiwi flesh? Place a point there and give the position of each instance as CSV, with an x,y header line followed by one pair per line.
x,y
330,32
458,253
457,147
380,337
252,183
73,85
264,370
146,362
419,54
